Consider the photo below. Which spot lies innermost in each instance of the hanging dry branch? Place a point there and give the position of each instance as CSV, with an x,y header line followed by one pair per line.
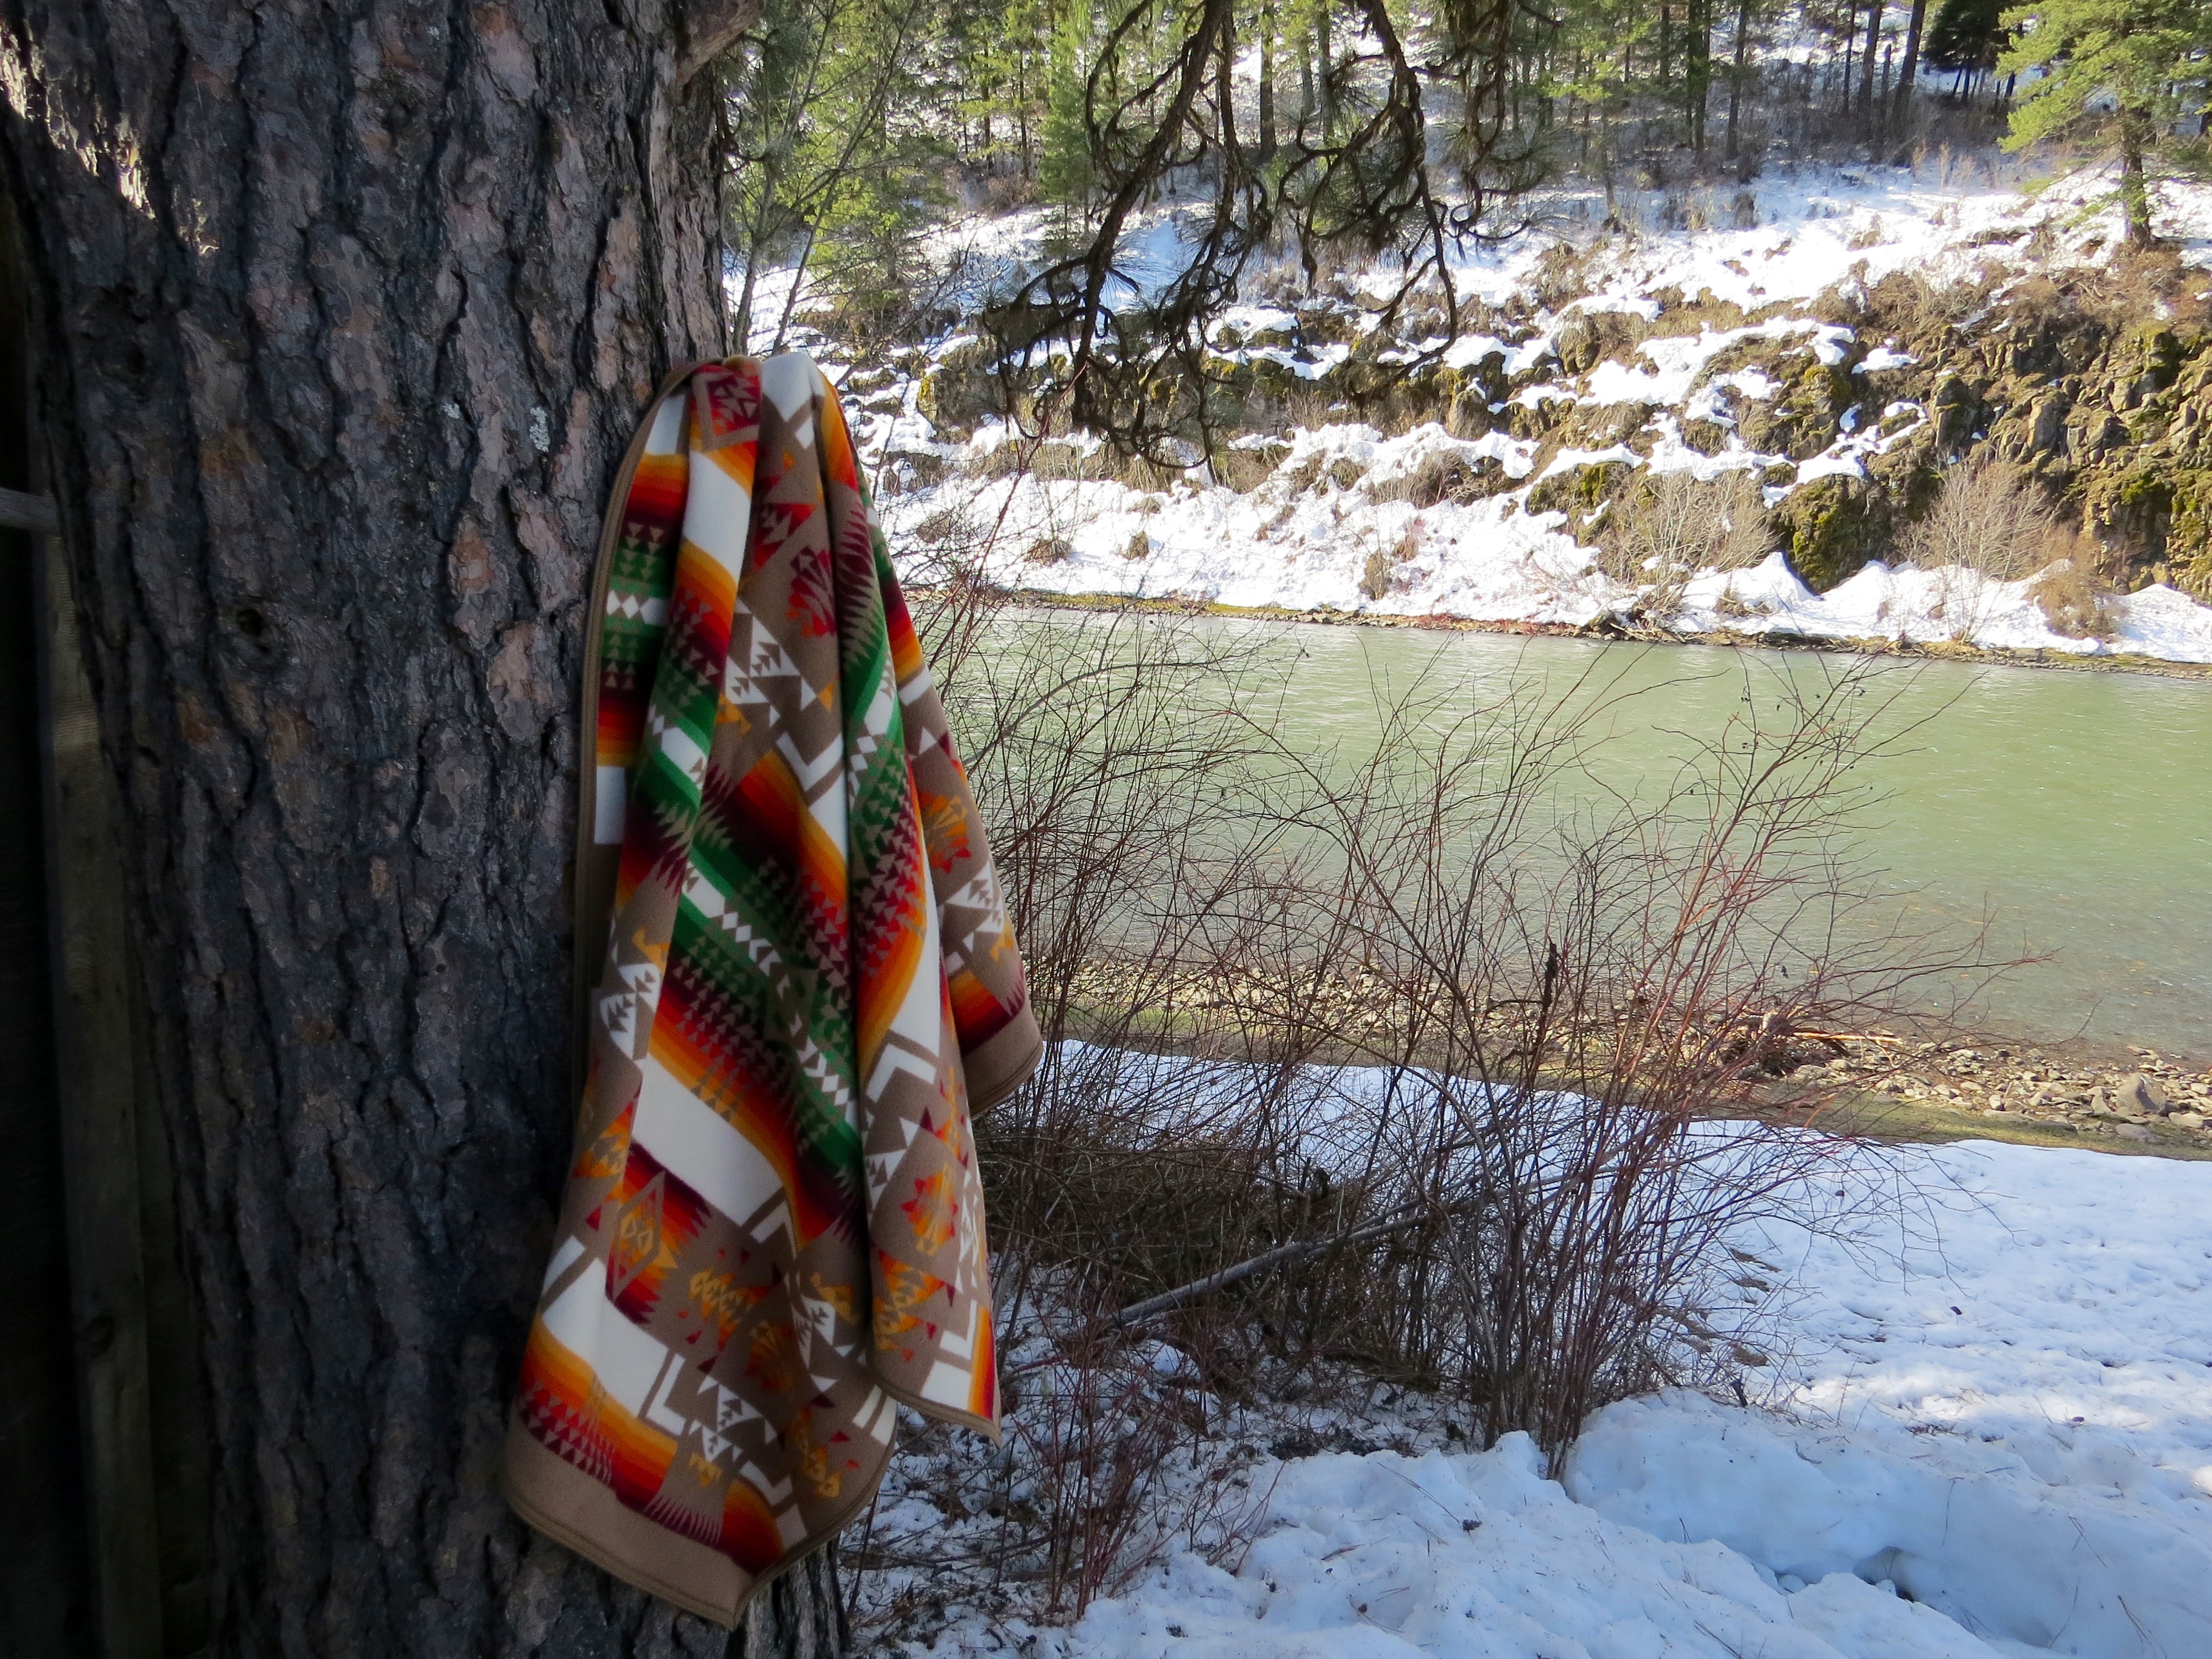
x,y
1084,343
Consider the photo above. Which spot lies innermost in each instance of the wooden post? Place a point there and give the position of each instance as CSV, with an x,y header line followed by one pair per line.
x,y
97,1095
45,1582
120,1547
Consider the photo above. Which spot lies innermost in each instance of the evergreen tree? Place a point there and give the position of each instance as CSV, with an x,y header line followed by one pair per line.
x,y
2118,72
1967,36
1064,170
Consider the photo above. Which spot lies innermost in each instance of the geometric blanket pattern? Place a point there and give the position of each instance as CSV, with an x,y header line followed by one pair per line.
x,y
801,978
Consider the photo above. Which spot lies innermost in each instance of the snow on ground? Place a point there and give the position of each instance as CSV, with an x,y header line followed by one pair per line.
x,y
1992,1435
1815,223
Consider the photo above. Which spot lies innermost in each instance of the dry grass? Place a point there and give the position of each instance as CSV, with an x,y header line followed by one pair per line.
x,y
1919,311
1447,476
1668,526
1379,574
1244,467
2076,597
1048,550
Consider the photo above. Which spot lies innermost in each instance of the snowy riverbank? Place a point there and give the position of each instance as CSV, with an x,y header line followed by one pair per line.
x,y
1307,549
1690,350
1990,1433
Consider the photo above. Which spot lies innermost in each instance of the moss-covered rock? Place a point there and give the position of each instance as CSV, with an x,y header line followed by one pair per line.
x,y
2189,533
1906,476
1706,437
1589,337
1537,417
1799,421
2156,356
1598,425
2131,507
1956,412
960,389
1579,491
1833,526
1457,397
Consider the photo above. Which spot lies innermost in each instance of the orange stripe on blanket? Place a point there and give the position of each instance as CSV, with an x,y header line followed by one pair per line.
x,y
749,1531
567,1408
739,461
907,660
705,580
983,1388
779,823
977,1014
657,489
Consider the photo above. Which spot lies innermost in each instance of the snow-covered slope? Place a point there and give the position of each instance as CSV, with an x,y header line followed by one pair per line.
x,y
1497,527
1308,547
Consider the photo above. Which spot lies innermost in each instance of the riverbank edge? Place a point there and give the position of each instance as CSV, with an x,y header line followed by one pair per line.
x,y
1988,1085
1610,631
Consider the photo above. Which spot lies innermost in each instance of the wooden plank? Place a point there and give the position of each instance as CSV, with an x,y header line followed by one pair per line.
x,y
45,1576
46,1558
32,513
100,1137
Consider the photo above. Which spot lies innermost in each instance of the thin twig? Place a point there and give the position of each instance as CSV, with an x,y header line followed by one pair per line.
x,y
1296,1251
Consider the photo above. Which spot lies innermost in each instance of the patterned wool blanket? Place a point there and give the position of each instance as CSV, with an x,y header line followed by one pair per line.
x,y
802,980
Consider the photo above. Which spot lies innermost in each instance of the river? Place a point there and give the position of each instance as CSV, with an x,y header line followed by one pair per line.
x,y
2073,809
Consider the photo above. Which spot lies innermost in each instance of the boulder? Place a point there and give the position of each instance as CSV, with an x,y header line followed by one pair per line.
x,y
2048,422
1956,412
2137,1095
960,389
1834,529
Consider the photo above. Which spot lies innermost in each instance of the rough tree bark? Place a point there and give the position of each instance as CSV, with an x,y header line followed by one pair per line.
x,y
1909,76
345,311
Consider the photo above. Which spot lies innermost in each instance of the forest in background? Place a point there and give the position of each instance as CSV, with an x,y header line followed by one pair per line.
x,y
1376,132
1064,205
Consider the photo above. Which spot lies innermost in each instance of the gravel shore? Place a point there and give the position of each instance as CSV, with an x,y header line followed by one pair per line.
x,y
2133,1095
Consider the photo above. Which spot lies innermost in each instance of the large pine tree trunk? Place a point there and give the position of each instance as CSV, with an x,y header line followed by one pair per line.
x,y
346,309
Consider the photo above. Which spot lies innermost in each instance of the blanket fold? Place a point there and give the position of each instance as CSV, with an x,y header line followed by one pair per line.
x,y
801,978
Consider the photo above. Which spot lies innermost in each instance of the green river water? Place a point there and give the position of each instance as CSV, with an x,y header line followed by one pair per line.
x,y
2072,809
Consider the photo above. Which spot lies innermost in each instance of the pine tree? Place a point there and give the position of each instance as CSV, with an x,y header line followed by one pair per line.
x,y
1064,172
2115,72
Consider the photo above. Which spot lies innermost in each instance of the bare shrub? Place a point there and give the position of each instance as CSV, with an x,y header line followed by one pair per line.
x,y
1987,517
1566,1003
1669,526
1259,910
2076,598
1517,1195
1988,524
